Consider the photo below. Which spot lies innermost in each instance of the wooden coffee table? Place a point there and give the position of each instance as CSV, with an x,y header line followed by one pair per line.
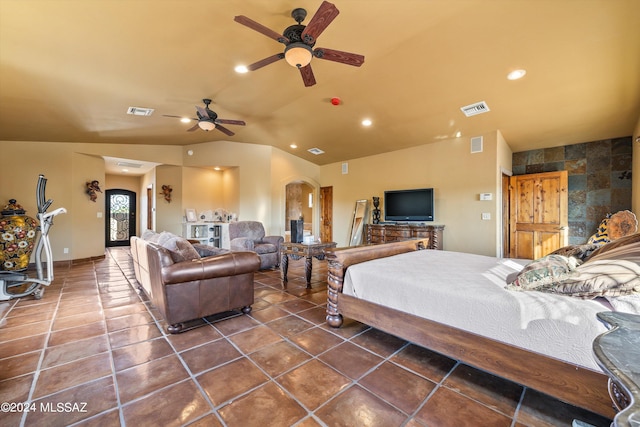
x,y
299,250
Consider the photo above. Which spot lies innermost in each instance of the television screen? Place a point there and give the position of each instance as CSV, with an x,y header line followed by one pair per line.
x,y
409,205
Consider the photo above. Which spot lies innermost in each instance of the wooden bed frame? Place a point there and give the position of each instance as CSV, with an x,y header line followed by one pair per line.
x,y
567,382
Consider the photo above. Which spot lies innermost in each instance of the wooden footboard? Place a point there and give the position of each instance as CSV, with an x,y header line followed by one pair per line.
x,y
567,382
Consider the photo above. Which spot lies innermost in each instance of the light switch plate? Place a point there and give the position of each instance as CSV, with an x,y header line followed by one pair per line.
x,y
486,196
486,215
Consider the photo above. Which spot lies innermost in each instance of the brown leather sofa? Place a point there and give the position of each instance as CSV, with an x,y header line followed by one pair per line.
x,y
189,289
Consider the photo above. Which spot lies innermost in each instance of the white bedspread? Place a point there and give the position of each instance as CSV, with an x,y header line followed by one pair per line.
x,y
467,291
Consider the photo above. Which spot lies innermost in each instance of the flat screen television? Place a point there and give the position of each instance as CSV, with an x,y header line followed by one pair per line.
x,y
409,205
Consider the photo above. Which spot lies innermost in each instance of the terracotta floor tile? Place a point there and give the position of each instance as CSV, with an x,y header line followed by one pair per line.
x,y
316,315
112,312
297,305
16,389
74,350
30,310
19,365
210,420
210,355
146,378
279,357
270,313
77,333
78,403
106,419
166,407
448,408
313,383
235,325
316,340
139,353
77,320
22,345
72,374
358,407
254,339
72,310
425,362
133,335
289,326
379,342
10,322
128,321
403,389
16,332
193,337
497,393
349,328
263,407
230,380
351,360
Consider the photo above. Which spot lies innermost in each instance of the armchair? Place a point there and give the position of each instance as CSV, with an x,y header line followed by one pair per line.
x,y
250,236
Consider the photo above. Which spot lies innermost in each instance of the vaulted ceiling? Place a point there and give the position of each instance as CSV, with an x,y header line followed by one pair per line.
x,y
70,70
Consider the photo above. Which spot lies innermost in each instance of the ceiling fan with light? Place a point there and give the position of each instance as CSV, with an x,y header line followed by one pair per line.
x,y
299,41
208,120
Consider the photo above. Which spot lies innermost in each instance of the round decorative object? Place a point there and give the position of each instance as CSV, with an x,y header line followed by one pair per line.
x,y
17,240
622,223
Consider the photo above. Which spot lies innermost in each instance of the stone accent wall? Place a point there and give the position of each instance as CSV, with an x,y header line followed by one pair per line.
x,y
599,179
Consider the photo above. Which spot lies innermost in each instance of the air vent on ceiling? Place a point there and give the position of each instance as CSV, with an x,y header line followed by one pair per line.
x,y
129,165
475,109
139,111
315,151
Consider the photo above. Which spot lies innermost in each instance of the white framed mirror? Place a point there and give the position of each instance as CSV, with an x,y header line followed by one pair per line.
x,y
357,224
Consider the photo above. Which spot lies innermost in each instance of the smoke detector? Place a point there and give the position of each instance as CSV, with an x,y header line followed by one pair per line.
x,y
475,109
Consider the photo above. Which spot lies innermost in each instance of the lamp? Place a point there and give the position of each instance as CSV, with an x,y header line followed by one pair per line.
x,y
298,54
206,125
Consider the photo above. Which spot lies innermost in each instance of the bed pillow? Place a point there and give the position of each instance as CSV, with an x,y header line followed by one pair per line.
x,y
600,278
543,272
179,247
601,236
623,241
581,252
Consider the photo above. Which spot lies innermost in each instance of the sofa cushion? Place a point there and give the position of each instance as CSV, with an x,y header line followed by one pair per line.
x,y
179,247
265,248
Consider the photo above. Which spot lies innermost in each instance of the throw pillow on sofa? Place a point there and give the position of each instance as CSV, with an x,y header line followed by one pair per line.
x,y
179,247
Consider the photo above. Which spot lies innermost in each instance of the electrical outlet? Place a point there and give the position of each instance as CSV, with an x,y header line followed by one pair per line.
x,y
99,214
486,216
65,250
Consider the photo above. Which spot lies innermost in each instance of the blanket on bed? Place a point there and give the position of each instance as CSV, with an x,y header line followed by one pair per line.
x,y
467,291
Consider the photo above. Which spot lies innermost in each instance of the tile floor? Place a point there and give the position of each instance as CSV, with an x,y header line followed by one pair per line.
x,y
93,352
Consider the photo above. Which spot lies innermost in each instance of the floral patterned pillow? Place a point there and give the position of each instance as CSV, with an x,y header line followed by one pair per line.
x,y
544,272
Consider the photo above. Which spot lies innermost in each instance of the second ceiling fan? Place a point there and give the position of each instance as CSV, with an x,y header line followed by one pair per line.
x,y
299,41
209,120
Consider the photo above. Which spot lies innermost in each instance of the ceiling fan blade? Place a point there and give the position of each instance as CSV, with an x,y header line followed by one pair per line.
x,y
339,56
224,130
230,122
169,115
307,75
326,13
195,127
265,61
202,112
248,22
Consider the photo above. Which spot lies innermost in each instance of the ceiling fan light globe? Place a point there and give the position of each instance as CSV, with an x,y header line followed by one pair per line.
x,y
206,125
298,55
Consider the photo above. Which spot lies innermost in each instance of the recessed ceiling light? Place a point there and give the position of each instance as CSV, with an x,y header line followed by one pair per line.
x,y
241,69
366,122
458,134
125,170
293,146
516,74
217,168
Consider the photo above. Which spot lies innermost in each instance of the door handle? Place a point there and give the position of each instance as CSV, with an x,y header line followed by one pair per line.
x,y
564,227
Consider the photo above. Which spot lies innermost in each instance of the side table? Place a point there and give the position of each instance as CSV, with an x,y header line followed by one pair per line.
x,y
299,250
618,354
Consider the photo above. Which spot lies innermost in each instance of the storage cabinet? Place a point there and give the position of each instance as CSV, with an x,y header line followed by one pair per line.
x,y
385,233
208,233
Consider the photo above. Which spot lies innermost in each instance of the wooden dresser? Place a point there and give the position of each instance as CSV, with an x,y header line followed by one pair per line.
x,y
385,233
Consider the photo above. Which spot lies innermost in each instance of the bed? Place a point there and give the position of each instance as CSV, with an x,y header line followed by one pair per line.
x,y
541,340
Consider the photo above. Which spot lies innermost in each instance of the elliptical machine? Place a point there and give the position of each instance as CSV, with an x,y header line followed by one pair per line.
x,y
17,232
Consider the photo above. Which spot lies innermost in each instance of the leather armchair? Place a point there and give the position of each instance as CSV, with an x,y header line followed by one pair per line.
x,y
250,236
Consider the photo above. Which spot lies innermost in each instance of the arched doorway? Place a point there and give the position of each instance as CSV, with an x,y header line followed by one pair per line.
x,y
120,224
299,202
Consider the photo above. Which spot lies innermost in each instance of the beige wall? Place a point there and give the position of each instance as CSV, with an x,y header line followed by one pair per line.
x,y
457,176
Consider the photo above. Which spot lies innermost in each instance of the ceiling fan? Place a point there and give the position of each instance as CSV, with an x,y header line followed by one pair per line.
x,y
208,120
300,40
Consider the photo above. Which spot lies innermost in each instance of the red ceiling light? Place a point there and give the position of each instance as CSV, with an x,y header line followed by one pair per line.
x,y
335,101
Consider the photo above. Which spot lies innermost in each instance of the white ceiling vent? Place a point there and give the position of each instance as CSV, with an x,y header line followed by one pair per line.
x,y
475,109
315,151
139,111
129,165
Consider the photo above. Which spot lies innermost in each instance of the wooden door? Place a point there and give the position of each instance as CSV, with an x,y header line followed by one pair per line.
x,y
539,214
326,214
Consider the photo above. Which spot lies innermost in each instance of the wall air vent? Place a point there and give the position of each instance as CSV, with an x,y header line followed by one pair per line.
x,y
139,111
315,151
476,144
475,109
129,165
